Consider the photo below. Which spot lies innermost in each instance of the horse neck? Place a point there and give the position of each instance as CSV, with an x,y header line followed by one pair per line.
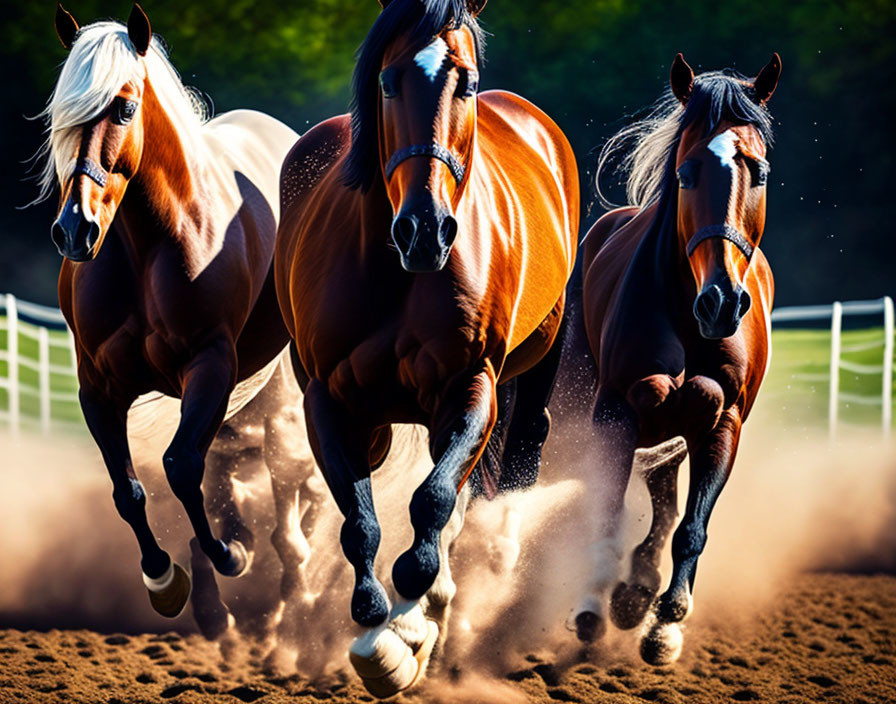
x,y
662,260
376,218
166,191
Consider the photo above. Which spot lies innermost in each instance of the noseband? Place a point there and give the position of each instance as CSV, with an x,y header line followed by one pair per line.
x,y
92,170
436,151
725,232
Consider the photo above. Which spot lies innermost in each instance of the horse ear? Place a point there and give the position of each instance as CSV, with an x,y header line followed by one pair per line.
x,y
139,31
682,79
767,80
66,26
475,6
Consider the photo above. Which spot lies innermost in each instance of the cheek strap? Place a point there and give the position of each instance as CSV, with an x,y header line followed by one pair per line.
x,y
92,170
725,232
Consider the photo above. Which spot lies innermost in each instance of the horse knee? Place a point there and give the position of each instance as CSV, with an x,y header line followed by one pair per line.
x,y
184,468
688,541
130,499
647,395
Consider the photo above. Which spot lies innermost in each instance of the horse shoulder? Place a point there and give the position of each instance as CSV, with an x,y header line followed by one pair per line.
x,y
313,156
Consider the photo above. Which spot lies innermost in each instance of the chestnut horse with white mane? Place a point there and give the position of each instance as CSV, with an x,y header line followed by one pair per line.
x,y
422,258
677,300
167,225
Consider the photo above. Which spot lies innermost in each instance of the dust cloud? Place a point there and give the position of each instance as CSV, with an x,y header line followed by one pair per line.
x,y
792,504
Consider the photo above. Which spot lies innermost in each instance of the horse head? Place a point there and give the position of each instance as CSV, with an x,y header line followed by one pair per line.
x,y
97,126
722,173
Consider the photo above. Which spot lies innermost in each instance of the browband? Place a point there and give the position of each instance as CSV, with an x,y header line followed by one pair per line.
x,y
92,170
725,232
436,151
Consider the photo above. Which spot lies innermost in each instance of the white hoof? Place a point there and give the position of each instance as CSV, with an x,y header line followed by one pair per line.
x,y
662,644
386,664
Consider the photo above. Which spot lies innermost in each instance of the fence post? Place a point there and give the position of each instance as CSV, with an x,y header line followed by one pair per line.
x,y
833,401
43,359
887,414
12,347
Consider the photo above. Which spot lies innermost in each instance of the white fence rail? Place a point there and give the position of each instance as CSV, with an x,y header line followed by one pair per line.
x,y
21,319
835,312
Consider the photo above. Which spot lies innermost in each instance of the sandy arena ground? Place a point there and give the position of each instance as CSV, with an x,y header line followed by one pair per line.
x,y
829,638
795,598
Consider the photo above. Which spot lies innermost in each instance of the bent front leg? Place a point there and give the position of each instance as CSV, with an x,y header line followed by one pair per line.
x,y
460,430
632,598
712,457
167,583
207,383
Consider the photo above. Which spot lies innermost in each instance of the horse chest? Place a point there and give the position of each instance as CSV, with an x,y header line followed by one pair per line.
x,y
405,344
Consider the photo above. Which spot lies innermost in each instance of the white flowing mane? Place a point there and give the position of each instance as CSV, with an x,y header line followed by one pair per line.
x,y
101,61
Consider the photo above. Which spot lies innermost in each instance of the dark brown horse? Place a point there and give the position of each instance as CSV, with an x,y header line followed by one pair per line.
x,y
167,225
677,298
422,257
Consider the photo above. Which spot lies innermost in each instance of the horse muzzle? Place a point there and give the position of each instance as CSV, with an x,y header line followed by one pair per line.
x,y
74,234
719,309
423,237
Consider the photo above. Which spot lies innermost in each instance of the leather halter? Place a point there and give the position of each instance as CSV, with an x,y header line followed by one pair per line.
x,y
725,232
436,151
92,170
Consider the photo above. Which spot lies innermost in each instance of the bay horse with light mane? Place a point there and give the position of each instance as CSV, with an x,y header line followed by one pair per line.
x,y
167,225
421,260
677,299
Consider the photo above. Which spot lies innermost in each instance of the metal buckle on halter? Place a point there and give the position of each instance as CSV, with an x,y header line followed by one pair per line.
x,y
725,232
92,170
436,151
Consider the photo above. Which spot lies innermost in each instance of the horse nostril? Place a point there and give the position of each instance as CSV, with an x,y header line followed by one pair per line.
x,y
709,304
448,231
404,231
743,303
57,234
93,233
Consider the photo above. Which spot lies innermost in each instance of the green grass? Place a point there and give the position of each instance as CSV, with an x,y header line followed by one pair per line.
x,y
799,352
785,394
29,404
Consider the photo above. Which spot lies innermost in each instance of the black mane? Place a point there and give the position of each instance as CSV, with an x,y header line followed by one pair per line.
x,y
423,20
717,96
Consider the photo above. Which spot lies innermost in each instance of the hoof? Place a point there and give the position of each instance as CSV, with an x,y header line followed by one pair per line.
x,y
675,608
388,666
590,626
213,619
629,604
169,593
239,562
662,644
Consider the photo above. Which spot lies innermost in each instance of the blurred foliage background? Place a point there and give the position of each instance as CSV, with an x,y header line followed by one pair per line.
x,y
591,64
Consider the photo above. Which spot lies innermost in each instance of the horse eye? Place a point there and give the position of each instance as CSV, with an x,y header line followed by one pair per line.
x,y
123,111
389,82
688,173
468,85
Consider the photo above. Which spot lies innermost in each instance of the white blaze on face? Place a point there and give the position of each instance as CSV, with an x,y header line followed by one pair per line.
x,y
724,146
432,57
